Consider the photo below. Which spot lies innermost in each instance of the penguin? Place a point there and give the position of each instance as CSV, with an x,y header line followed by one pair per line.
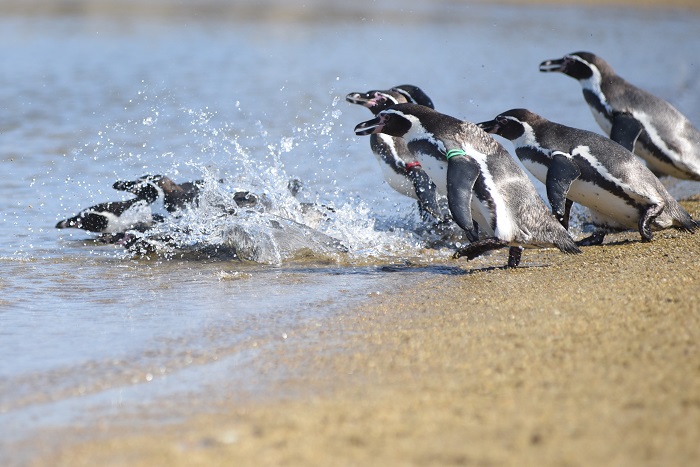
x,y
641,122
117,217
178,196
175,196
587,168
483,182
401,170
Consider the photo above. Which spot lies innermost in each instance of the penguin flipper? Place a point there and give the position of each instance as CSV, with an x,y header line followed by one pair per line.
x,y
426,192
561,174
625,130
462,173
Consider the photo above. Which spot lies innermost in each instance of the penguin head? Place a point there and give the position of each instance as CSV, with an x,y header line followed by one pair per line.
x,y
389,121
414,95
511,124
86,220
410,121
377,101
578,65
148,187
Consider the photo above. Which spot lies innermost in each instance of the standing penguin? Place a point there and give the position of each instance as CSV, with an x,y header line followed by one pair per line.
x,y
482,181
641,122
590,169
401,170
118,216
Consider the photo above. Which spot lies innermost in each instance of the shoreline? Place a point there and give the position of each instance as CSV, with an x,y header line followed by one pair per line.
x,y
567,360
310,10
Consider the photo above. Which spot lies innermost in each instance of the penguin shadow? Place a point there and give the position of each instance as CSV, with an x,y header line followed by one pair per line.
x,y
521,266
437,269
463,268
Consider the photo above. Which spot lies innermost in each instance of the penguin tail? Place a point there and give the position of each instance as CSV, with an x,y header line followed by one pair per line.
x,y
681,218
563,240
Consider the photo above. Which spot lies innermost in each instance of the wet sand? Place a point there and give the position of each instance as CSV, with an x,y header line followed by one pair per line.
x,y
568,360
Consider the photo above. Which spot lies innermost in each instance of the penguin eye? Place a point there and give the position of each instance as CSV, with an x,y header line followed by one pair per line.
x,y
501,120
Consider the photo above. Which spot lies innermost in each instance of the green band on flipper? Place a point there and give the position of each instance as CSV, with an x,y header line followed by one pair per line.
x,y
454,152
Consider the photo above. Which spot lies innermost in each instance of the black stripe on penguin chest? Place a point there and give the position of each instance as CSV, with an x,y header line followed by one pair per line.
x,y
426,148
533,155
388,154
594,101
653,149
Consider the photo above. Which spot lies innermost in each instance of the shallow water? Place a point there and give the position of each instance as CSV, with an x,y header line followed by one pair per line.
x,y
88,100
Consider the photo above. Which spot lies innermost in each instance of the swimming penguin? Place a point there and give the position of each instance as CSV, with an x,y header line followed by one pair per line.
x,y
175,196
484,183
117,217
641,122
401,170
590,169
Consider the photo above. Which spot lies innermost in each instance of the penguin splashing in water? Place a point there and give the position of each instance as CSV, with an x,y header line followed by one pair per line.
x,y
400,167
117,217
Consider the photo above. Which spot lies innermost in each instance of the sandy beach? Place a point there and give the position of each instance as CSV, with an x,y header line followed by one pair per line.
x,y
565,361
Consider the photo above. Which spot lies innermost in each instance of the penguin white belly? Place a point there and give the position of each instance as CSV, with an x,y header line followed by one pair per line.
x,y
138,215
601,220
657,165
612,207
539,171
602,121
616,211
436,170
398,182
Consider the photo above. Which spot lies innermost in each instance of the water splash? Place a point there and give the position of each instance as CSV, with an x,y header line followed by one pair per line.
x,y
290,218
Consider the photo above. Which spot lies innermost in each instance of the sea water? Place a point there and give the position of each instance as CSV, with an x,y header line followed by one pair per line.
x,y
247,100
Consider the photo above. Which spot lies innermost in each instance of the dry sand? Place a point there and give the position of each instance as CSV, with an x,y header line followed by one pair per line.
x,y
567,361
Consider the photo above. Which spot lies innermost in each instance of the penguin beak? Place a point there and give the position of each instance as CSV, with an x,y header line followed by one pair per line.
x,y
371,100
359,99
73,222
490,126
370,126
553,65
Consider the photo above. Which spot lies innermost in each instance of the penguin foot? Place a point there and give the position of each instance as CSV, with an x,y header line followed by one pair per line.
x,y
514,254
595,239
647,218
